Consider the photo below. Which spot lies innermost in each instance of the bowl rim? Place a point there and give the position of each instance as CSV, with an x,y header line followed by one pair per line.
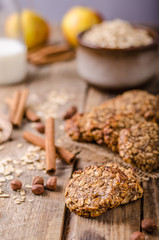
x,y
151,32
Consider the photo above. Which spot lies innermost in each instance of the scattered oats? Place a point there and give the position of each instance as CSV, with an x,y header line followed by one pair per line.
x,y
15,162
2,147
4,195
19,145
39,166
27,186
1,169
30,200
8,169
7,159
22,192
18,172
23,198
14,197
2,179
17,201
33,148
31,167
9,178
50,107
23,163
29,161
1,191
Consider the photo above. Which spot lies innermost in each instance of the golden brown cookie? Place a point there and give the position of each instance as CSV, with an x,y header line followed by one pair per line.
x,y
139,145
113,115
94,190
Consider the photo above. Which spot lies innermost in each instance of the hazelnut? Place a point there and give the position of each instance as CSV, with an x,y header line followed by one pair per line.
x,y
137,236
16,184
38,189
40,127
148,225
51,183
70,112
38,180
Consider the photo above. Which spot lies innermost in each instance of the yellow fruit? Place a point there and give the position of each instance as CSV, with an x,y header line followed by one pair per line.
x,y
35,29
76,20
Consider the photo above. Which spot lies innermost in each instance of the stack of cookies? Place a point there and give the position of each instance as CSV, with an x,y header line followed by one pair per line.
x,y
127,124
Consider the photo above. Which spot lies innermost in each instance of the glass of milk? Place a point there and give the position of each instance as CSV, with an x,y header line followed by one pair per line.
x,y
13,52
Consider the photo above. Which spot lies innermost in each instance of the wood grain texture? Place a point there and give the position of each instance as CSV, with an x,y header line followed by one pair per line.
x,y
42,219
115,224
151,204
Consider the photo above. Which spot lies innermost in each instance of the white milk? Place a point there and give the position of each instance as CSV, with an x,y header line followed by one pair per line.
x,y
13,61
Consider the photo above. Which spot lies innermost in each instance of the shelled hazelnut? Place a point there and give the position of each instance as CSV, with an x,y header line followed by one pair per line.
x,y
38,180
40,127
148,225
70,112
51,183
16,184
38,189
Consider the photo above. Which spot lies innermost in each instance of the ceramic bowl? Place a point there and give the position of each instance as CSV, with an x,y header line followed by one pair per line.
x,y
117,68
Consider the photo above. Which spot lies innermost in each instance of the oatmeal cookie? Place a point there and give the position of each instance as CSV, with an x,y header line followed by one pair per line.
x,y
139,145
108,116
115,124
94,190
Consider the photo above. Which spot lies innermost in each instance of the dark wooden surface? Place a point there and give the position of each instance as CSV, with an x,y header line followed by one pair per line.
x,y
46,218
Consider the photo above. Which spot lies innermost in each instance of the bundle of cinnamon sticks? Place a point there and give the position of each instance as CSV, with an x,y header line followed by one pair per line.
x,y
18,109
50,54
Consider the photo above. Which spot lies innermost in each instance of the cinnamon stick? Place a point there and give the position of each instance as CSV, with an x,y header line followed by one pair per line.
x,y
42,60
48,50
67,156
64,154
14,105
31,116
50,146
21,107
34,139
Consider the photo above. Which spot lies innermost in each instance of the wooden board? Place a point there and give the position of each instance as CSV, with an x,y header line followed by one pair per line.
x,y
42,219
46,217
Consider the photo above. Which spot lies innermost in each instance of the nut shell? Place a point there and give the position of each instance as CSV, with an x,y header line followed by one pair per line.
x,y
51,183
148,225
38,180
38,189
137,236
16,184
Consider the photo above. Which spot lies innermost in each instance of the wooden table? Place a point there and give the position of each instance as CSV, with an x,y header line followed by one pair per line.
x,y
46,217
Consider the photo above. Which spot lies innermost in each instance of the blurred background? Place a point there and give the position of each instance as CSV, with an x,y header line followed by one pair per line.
x,y
140,11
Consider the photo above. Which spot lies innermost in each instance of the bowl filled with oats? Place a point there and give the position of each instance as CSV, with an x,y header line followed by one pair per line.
x,y
117,54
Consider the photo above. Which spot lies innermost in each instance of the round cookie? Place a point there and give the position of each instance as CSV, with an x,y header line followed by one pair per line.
x,y
96,189
139,145
115,124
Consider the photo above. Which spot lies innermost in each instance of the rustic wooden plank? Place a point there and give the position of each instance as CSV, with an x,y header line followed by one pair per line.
x,y
115,224
151,204
43,218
